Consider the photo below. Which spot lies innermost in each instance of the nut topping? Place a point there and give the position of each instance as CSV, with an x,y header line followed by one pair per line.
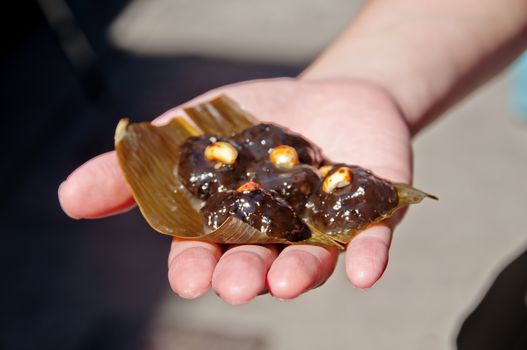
x,y
324,170
339,179
284,156
249,186
222,152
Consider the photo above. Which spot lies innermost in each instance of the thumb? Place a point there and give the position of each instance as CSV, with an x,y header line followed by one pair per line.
x,y
95,189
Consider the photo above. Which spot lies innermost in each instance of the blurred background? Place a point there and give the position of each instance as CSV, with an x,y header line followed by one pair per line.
x,y
71,69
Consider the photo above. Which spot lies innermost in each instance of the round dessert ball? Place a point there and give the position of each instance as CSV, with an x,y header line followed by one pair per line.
x,y
208,164
349,198
262,209
259,140
294,184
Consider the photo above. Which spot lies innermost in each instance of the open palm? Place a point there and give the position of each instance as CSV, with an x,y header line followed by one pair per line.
x,y
351,121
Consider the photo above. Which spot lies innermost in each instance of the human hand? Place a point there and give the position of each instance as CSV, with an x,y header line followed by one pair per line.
x,y
351,121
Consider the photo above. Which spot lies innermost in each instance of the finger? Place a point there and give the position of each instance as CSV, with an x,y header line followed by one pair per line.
x,y
241,273
95,189
299,269
367,255
190,267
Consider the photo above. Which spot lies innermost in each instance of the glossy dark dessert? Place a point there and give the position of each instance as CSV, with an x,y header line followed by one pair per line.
x,y
358,199
159,161
279,186
257,142
260,208
294,184
204,177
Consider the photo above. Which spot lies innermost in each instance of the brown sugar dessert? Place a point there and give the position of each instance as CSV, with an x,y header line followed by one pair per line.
x,y
258,142
283,173
208,164
260,208
349,198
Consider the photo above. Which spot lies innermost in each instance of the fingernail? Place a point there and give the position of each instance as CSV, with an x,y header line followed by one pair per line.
x,y
190,293
359,288
284,300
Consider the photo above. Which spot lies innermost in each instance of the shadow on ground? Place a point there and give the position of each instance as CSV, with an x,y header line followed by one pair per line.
x,y
91,284
85,284
500,320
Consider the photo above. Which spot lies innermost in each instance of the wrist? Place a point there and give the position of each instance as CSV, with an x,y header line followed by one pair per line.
x,y
426,59
392,65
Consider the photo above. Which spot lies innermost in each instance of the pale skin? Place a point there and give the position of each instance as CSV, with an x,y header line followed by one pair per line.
x,y
399,65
